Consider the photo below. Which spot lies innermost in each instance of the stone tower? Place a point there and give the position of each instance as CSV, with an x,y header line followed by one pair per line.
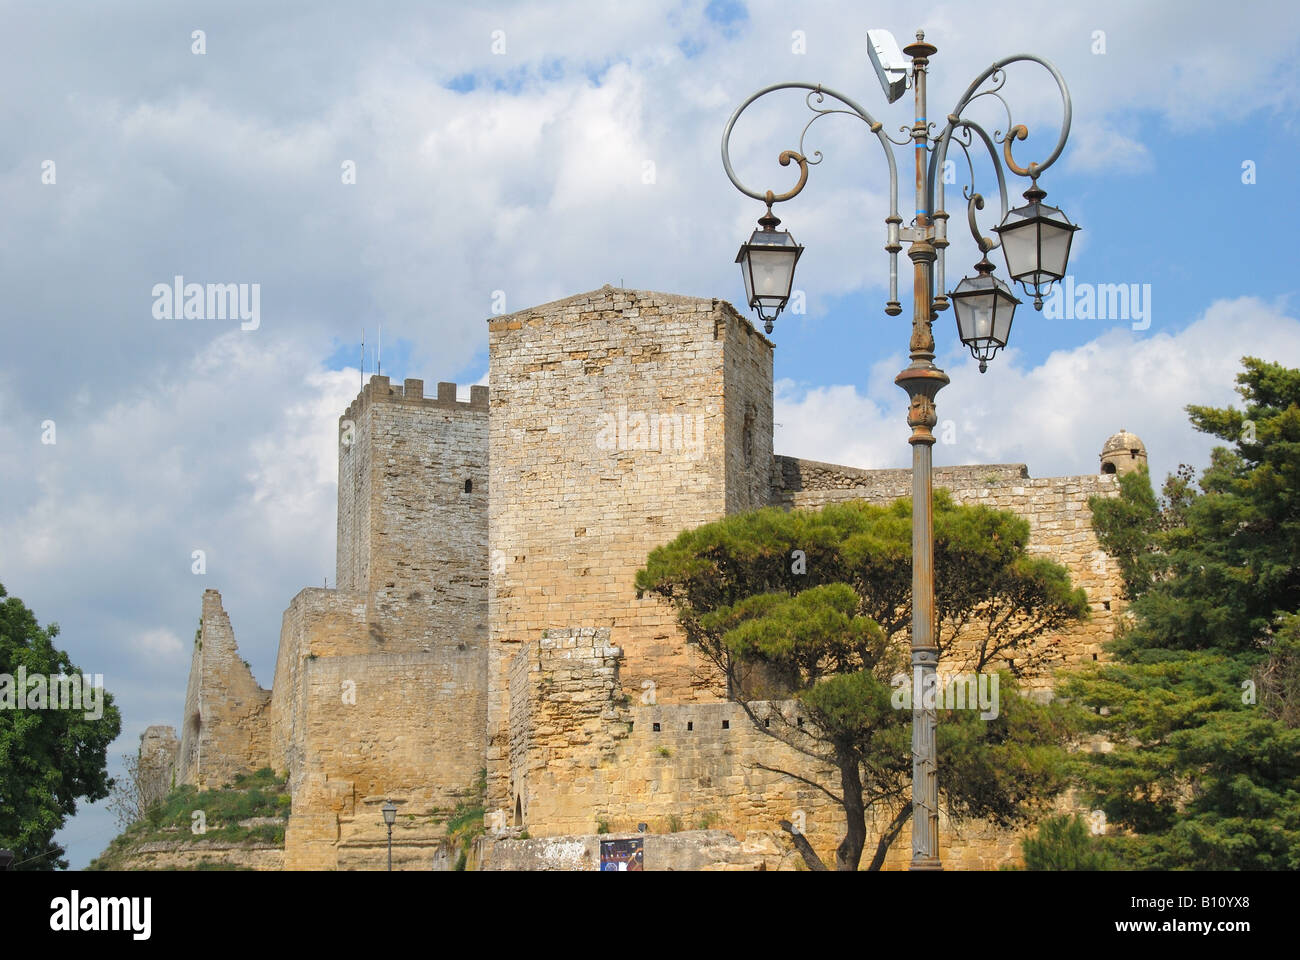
x,y
380,684
1123,453
412,513
619,419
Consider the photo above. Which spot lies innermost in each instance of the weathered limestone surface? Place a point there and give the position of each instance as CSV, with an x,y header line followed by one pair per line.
x,y
193,854
1056,509
618,419
411,538
710,850
159,750
380,684
226,730
582,753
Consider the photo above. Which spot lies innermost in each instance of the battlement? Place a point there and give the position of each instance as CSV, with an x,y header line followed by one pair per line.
x,y
628,301
411,391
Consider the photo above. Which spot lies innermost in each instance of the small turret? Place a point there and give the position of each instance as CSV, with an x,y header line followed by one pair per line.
x,y
1123,453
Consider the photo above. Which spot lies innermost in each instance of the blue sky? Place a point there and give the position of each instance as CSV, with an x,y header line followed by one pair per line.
x,y
509,154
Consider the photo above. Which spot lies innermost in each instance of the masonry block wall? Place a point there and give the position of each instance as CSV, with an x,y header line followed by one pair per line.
x,y
747,358
1056,508
412,515
612,416
585,755
227,728
159,749
380,684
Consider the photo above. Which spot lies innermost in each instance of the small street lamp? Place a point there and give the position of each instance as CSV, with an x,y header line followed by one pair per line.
x,y
390,817
1036,243
983,306
767,265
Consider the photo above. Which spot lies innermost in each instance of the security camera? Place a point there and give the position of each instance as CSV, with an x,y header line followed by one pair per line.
x,y
891,66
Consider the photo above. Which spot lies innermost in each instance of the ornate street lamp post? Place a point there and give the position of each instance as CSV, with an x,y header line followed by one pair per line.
x,y
1036,242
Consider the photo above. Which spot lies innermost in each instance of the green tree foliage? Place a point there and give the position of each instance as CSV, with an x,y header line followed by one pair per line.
x,y
49,758
817,605
1201,700
1063,843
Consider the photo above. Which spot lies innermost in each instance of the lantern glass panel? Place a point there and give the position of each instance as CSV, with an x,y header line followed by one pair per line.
x,y
1055,248
1020,246
771,272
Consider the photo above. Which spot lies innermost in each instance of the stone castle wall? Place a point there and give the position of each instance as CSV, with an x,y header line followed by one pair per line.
x,y
159,750
380,686
586,757
1056,509
617,419
611,424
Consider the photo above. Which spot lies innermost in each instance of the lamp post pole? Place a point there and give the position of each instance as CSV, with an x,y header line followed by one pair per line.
x,y
922,380
1036,241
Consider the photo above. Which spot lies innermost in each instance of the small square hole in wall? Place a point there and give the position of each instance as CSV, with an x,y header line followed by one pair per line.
x,y
1094,656
726,724
1106,604
767,723
801,721
656,728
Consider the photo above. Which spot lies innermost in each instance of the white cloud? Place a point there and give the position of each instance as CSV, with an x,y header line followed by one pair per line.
x,y
1101,148
1055,416
159,642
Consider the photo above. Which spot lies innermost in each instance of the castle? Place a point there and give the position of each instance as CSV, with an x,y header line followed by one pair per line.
x,y
485,618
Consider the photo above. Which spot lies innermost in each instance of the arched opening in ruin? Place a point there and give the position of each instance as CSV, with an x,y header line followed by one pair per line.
x,y
469,486
1108,467
519,812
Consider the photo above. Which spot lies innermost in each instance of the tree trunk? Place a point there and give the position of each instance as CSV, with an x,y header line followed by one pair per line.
x,y
890,835
849,853
805,848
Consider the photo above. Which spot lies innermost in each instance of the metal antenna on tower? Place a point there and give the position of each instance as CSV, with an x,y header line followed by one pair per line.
x,y
363,358
379,354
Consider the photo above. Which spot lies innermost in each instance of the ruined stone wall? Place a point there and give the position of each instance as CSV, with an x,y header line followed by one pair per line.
x,y
611,421
584,756
1056,509
159,751
585,760
226,729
